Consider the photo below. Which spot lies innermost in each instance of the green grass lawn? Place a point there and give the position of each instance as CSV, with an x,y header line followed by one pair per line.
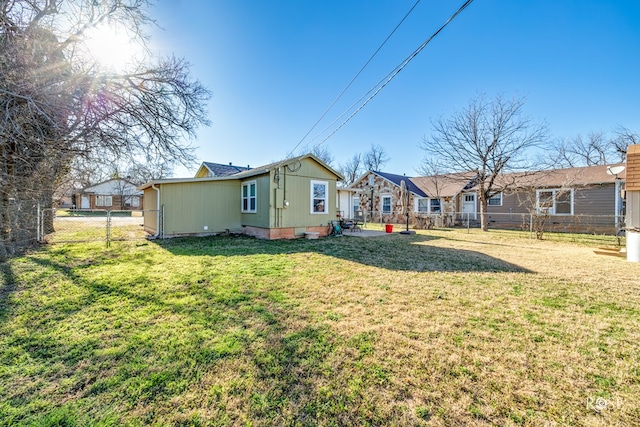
x,y
441,328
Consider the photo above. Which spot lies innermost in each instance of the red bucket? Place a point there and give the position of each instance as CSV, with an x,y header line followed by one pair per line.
x,y
388,228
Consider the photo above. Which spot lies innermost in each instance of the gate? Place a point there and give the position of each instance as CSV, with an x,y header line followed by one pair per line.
x,y
65,226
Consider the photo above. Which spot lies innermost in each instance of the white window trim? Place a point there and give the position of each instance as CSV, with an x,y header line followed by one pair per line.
x,y
430,205
326,197
499,195
382,197
107,201
248,184
354,206
416,206
554,191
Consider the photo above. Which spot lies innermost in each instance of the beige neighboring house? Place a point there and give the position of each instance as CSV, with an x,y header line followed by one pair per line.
x,y
282,200
114,194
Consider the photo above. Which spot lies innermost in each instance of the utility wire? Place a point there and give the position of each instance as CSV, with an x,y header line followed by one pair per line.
x,y
353,79
387,79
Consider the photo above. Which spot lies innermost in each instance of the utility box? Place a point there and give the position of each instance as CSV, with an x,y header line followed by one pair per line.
x,y
632,186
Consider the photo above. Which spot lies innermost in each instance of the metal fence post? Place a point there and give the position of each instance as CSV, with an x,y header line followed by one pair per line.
x,y
108,236
530,225
39,223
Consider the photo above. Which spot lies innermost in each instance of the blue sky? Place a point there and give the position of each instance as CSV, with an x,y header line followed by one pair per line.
x,y
275,66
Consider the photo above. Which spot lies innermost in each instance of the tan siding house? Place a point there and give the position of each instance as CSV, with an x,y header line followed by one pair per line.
x,y
282,200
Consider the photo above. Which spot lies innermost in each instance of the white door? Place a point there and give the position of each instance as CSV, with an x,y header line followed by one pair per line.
x,y
469,205
85,203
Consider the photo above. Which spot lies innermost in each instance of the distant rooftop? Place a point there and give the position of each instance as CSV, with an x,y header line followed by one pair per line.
x,y
219,169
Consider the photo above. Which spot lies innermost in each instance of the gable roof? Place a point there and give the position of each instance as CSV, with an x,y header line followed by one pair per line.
x,y
219,169
260,170
568,177
266,168
446,185
397,180
112,186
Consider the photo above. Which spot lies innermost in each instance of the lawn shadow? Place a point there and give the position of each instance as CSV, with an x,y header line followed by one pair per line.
x,y
7,287
285,355
397,252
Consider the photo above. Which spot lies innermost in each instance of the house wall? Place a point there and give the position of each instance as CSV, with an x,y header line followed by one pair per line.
x,y
150,203
383,187
594,204
190,207
592,200
116,202
263,201
345,203
296,190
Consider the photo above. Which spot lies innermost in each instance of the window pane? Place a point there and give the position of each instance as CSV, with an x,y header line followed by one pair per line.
x,y
244,191
545,199
423,205
253,203
319,191
386,204
563,197
252,189
318,205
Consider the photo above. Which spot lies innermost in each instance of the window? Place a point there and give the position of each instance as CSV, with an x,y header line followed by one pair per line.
x,y
356,205
434,205
249,201
495,200
104,201
555,201
386,204
132,201
422,205
319,197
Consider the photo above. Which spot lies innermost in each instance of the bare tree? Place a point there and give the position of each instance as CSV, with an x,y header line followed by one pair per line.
x,y
351,169
623,138
596,149
488,138
57,104
375,158
323,153
432,169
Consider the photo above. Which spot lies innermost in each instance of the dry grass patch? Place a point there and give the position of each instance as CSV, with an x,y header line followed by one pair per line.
x,y
441,328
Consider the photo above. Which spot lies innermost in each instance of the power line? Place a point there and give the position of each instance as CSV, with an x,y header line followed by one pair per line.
x,y
354,78
390,76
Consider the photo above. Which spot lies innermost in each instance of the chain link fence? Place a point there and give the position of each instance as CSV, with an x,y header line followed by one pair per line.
x,y
532,222
64,226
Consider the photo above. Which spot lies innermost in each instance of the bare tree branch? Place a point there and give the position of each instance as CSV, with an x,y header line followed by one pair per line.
x,y
489,138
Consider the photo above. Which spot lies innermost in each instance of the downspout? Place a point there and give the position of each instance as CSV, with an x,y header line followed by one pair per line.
x,y
155,236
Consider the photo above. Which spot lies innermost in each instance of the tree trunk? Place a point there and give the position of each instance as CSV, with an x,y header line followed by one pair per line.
x,y
484,220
